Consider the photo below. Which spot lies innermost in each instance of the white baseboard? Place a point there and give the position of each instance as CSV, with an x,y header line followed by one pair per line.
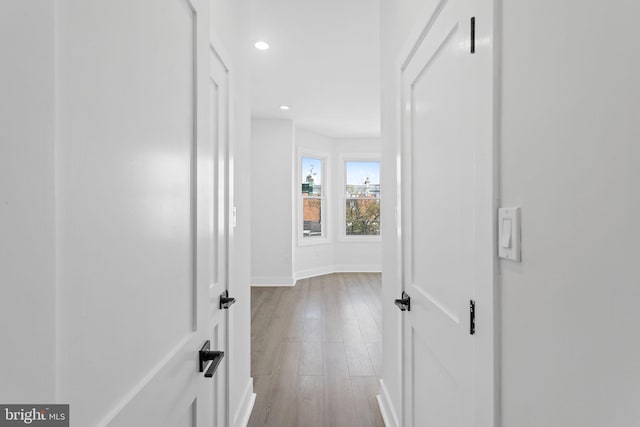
x,y
389,415
366,268
313,272
242,415
329,269
273,281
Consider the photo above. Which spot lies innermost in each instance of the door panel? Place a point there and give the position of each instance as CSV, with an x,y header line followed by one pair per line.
x,y
219,99
133,211
219,281
439,221
444,411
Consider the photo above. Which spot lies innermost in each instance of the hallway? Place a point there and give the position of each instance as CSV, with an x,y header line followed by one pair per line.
x,y
168,170
316,352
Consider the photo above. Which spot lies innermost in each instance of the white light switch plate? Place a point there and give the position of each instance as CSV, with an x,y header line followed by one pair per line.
x,y
509,234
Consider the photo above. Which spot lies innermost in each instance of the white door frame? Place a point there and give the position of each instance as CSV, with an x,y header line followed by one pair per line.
x,y
487,303
224,157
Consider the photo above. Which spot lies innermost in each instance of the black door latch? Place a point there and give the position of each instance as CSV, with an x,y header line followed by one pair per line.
x,y
225,301
404,304
206,355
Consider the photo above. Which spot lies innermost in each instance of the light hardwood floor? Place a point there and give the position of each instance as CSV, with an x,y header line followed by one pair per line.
x,y
316,352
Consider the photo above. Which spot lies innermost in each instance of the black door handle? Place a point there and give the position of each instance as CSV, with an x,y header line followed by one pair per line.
x,y
206,355
225,301
404,304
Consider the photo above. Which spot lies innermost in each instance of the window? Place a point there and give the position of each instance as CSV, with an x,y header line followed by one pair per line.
x,y
313,197
362,198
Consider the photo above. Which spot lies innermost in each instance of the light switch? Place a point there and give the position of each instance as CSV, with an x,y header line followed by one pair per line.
x,y
509,233
506,233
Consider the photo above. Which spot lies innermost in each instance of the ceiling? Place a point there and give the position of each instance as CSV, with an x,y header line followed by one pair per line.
x,y
323,61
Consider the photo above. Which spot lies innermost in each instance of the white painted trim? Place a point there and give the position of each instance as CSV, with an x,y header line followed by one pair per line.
x,y
216,48
265,281
314,240
494,378
313,272
365,268
387,410
216,45
273,281
242,415
330,269
358,238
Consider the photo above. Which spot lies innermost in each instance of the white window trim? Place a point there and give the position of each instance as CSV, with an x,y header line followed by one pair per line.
x,y
323,239
342,221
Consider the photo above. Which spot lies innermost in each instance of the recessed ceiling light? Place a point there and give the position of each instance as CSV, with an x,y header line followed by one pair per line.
x,y
285,107
261,45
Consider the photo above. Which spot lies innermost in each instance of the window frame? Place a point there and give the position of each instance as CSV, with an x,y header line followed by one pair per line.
x,y
342,212
323,238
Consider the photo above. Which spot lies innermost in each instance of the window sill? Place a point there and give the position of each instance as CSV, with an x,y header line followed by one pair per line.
x,y
313,241
360,239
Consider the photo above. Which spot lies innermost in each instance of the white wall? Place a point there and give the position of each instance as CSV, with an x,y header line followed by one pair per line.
x,y
570,149
271,202
27,259
397,19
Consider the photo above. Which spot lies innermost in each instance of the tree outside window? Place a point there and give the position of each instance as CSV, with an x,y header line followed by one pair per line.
x,y
362,198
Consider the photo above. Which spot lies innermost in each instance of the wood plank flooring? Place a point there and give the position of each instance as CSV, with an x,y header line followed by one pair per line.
x,y
316,352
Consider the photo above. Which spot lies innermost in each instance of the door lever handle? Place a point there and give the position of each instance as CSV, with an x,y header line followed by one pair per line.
x,y
225,301
205,355
404,304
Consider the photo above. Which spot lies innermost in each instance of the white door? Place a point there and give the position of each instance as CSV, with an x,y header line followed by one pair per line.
x,y
134,209
443,230
220,238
